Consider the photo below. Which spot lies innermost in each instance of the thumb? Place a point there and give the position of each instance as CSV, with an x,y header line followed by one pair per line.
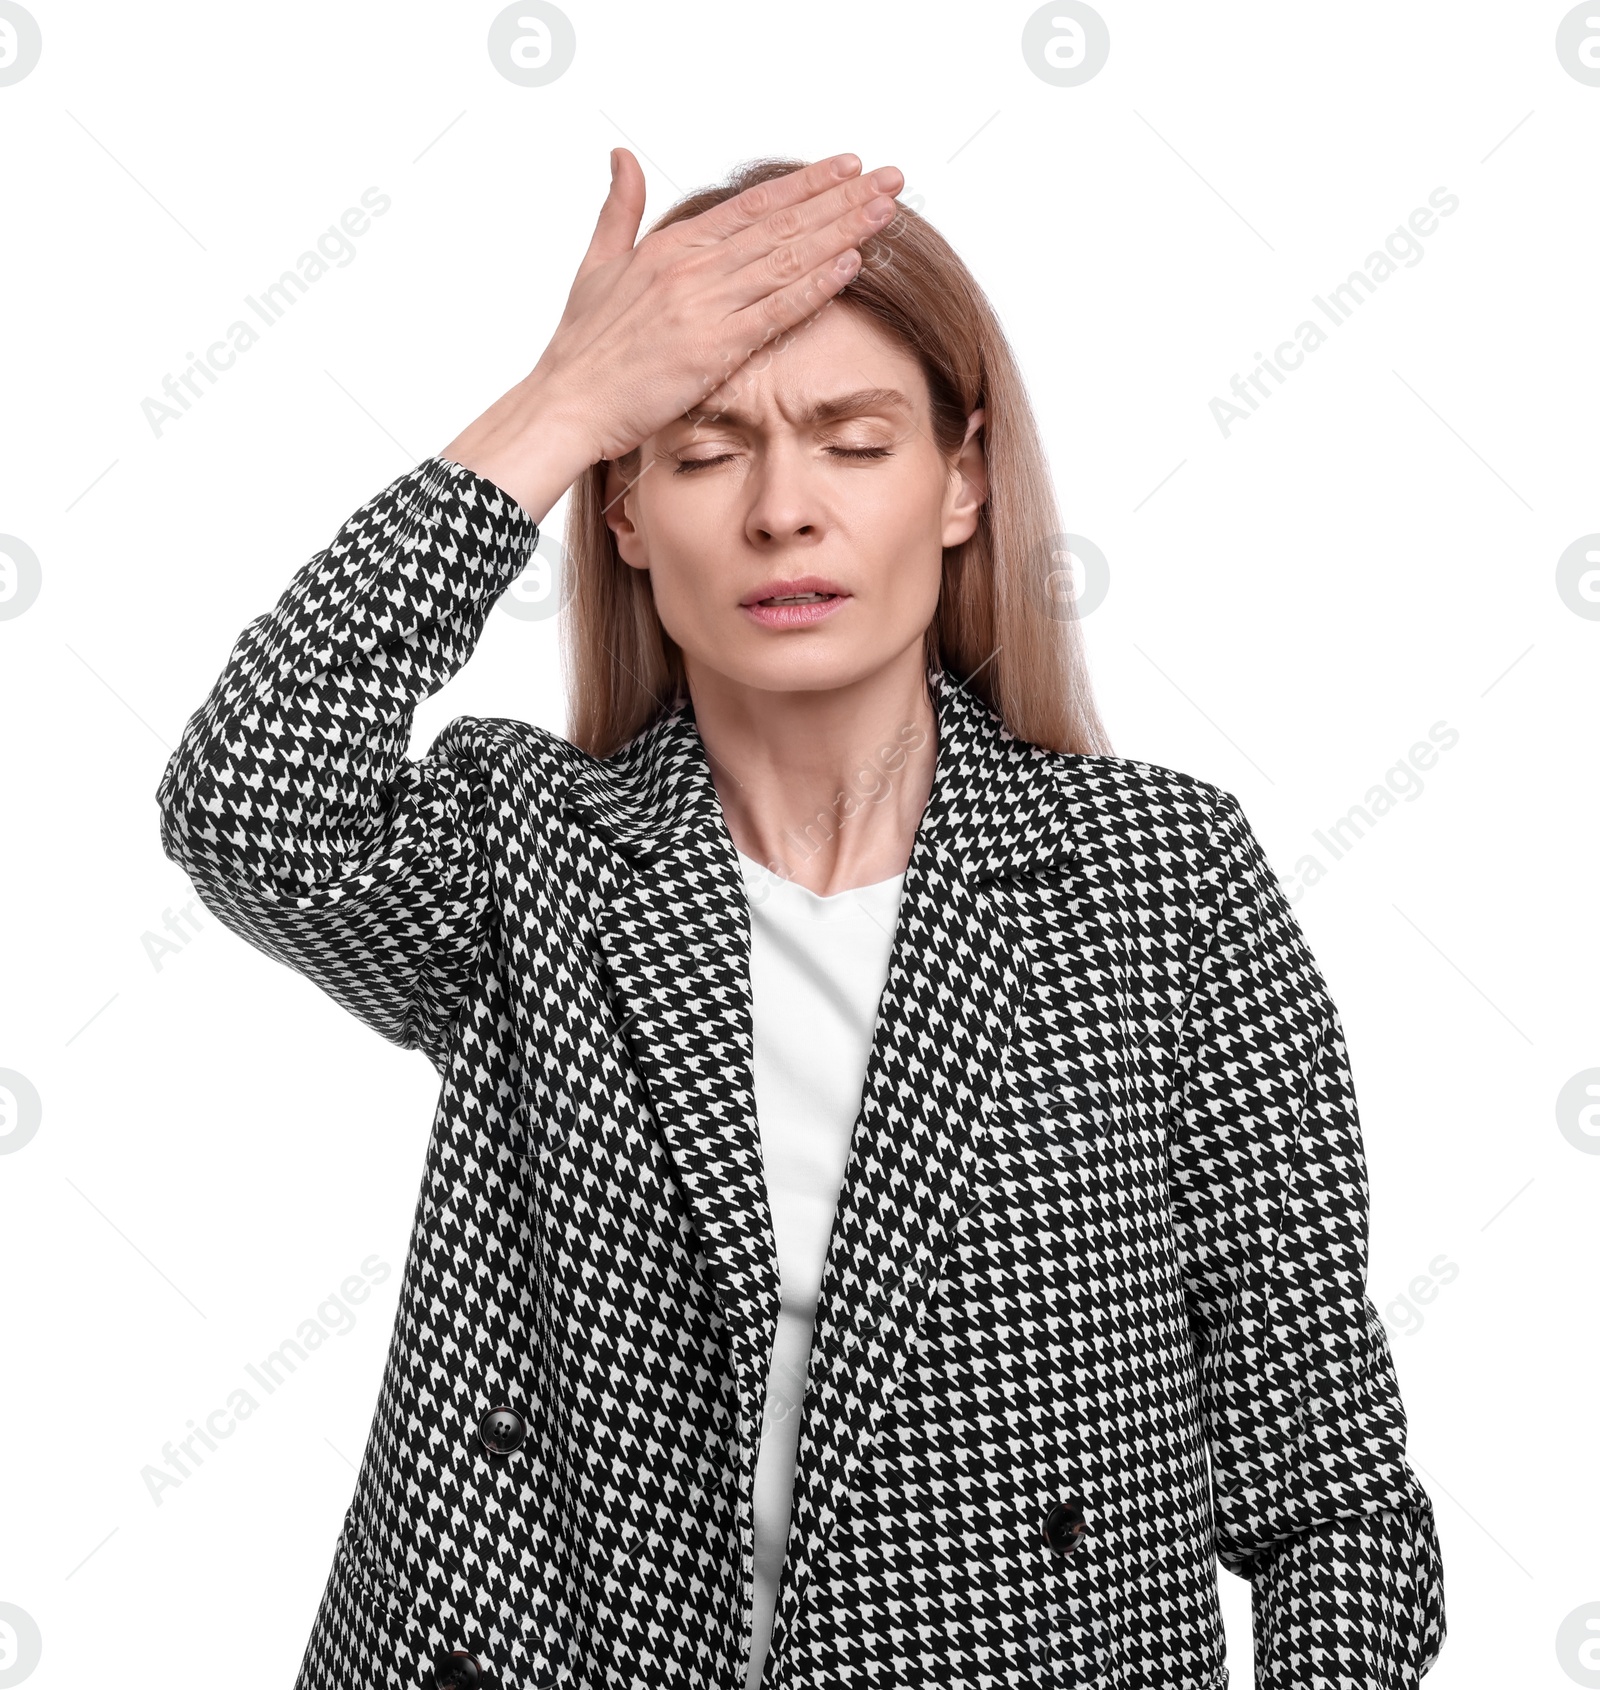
x,y
617,227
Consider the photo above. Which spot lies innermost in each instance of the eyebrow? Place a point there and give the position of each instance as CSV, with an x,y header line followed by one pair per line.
x,y
823,411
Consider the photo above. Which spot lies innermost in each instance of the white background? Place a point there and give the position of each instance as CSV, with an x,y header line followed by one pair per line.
x,y
1291,606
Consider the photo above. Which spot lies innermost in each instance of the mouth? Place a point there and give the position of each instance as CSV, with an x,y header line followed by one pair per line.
x,y
794,603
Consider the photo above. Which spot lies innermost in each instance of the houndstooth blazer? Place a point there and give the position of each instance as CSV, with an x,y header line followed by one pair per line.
x,y
1093,1318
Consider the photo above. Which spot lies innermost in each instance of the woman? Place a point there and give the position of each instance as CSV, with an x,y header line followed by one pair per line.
x,y
896,1210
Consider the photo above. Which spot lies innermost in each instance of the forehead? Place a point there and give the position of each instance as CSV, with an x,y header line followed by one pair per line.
x,y
839,350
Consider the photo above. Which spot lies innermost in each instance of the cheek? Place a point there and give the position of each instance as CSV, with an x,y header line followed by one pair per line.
x,y
903,533
914,591
686,583
679,592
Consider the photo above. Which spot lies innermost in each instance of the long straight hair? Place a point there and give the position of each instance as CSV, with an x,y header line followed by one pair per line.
x,y
1005,626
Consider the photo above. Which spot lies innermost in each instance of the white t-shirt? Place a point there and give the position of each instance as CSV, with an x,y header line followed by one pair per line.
x,y
817,968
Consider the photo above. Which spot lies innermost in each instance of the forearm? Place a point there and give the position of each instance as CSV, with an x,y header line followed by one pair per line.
x,y
1315,1502
290,800
284,765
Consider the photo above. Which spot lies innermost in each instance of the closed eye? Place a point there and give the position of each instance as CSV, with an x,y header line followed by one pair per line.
x,y
690,464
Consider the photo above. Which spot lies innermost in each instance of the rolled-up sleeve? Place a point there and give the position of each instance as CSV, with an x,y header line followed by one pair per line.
x,y
1314,1501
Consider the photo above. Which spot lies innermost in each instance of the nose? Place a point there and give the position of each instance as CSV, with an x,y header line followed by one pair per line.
x,y
785,507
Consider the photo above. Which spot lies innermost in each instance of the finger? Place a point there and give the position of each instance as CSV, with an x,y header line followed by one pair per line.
x,y
791,223
745,332
772,266
717,222
617,227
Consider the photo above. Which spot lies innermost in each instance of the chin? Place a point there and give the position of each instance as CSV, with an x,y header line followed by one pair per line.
x,y
796,664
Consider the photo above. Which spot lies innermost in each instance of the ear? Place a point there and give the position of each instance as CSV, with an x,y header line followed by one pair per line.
x,y
969,485
618,498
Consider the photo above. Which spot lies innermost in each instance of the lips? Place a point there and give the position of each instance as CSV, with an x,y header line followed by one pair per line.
x,y
796,601
803,589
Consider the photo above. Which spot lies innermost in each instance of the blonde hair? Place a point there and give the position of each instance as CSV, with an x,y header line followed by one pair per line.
x,y
999,626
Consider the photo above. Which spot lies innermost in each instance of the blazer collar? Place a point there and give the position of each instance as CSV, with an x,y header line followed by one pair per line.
x,y
998,806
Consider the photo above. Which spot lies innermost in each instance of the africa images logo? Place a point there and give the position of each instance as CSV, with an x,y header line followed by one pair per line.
x,y
335,248
1402,247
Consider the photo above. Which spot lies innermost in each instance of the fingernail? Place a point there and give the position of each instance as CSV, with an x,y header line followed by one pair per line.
x,y
613,164
845,164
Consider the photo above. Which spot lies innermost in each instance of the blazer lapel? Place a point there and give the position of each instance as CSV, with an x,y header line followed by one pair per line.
x,y
674,936
996,812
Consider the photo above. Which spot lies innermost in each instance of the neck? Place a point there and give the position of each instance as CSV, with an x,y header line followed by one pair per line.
x,y
824,787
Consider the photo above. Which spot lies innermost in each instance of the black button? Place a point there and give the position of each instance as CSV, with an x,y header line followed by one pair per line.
x,y
1064,1525
458,1671
502,1430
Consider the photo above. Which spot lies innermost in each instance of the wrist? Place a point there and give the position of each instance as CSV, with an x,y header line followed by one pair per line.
x,y
531,443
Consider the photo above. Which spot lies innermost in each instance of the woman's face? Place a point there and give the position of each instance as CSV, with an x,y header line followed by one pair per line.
x,y
810,476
